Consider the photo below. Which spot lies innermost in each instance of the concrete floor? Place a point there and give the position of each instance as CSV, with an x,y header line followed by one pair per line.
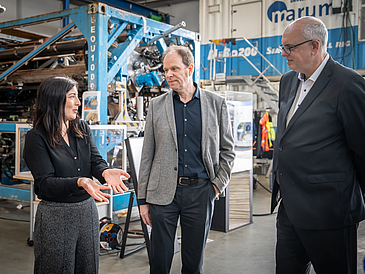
x,y
246,250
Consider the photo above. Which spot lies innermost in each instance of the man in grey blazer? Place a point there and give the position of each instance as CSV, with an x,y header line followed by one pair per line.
x,y
319,156
186,162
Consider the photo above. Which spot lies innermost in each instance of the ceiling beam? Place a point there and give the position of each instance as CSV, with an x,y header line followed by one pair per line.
x,y
159,3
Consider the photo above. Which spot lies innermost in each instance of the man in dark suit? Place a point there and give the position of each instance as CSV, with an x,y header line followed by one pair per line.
x,y
319,156
187,158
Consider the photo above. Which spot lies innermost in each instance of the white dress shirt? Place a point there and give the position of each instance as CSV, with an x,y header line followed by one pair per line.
x,y
304,87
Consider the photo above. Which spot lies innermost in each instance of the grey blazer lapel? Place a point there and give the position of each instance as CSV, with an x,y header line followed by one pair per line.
x,y
169,107
204,112
317,88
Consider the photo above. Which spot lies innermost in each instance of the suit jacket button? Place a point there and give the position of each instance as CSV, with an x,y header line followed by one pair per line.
x,y
280,148
175,168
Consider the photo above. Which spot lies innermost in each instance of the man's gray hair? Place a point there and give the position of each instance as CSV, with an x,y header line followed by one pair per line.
x,y
184,52
314,28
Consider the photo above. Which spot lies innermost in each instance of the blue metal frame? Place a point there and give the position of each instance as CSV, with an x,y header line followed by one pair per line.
x,y
7,192
8,126
92,20
139,9
66,5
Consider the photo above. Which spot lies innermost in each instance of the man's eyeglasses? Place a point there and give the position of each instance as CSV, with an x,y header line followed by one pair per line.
x,y
287,49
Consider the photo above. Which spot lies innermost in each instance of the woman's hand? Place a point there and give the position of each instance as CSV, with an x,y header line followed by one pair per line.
x,y
113,178
94,189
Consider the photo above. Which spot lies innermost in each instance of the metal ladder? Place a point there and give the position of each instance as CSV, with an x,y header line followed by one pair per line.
x,y
266,90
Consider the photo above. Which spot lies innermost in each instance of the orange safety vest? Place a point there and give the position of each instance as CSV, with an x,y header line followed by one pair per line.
x,y
265,135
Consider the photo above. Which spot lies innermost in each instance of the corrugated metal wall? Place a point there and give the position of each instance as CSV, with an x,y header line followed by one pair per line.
x,y
214,19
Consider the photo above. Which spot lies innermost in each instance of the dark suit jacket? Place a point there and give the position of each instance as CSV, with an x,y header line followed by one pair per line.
x,y
320,155
56,170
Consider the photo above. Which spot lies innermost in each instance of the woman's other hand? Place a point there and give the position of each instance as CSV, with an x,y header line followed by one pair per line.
x,y
113,178
94,189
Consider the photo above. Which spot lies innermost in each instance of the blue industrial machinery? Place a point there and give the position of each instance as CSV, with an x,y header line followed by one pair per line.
x,y
115,45
150,79
137,9
101,25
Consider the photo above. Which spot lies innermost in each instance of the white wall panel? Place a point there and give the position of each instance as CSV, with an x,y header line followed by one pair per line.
x,y
215,19
246,20
188,12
